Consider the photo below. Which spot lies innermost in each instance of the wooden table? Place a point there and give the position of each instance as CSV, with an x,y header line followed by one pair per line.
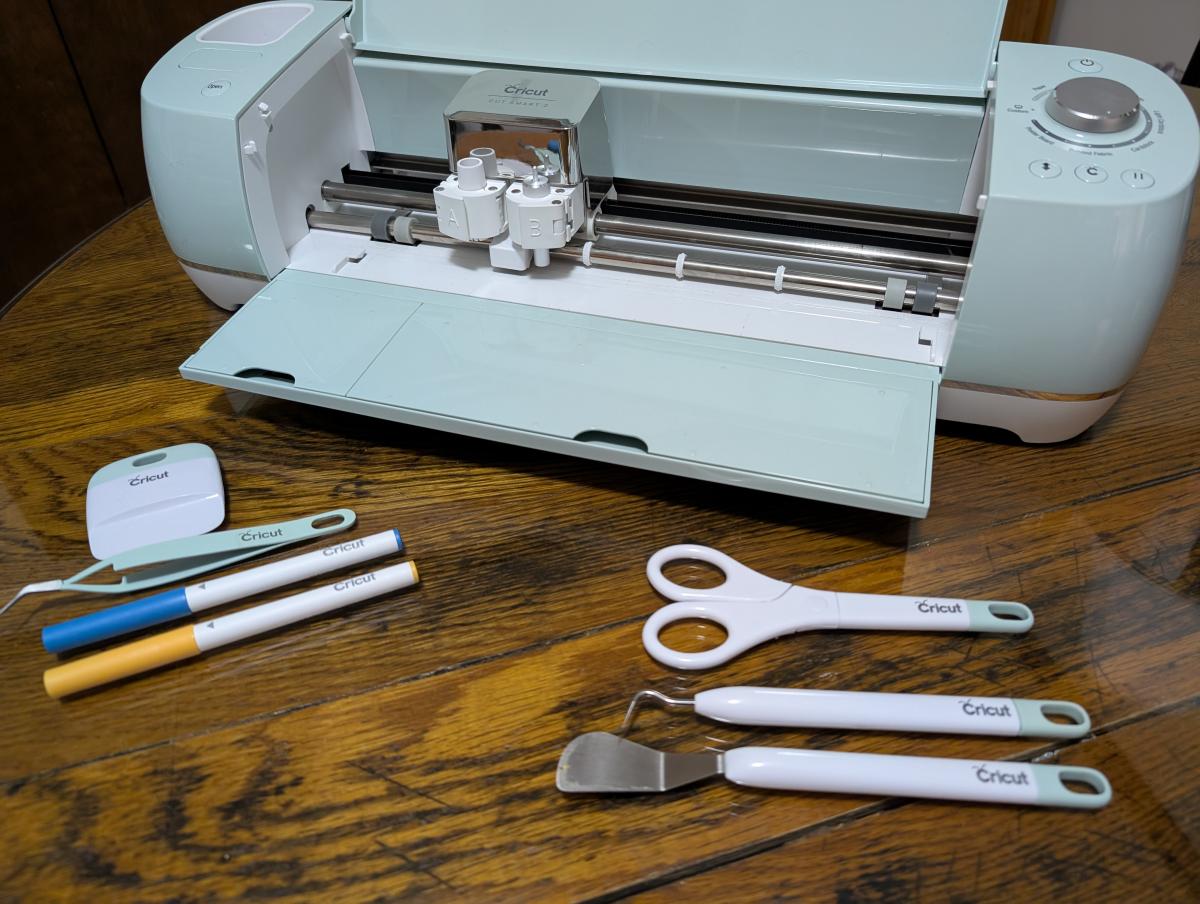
x,y
407,747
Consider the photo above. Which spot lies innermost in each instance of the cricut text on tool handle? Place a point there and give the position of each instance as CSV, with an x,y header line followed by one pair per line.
x,y
940,778
753,608
929,613
874,711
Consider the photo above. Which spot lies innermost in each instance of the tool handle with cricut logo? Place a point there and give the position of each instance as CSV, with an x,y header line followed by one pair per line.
x,y
862,710
929,613
998,782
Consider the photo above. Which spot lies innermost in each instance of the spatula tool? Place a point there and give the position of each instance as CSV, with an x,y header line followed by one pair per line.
x,y
602,763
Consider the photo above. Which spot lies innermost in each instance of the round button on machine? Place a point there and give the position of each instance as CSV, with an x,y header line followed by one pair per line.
x,y
1045,169
1137,178
1089,104
1086,64
215,87
1089,172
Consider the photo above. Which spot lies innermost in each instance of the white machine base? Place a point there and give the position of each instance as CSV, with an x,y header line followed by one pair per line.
x,y
226,290
1033,420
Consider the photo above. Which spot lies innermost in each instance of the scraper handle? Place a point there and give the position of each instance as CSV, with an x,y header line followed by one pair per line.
x,y
874,774
860,710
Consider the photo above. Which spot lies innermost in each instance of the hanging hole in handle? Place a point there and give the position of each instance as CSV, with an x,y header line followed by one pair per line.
x,y
693,574
327,521
692,635
1062,714
1079,782
1008,612
260,373
149,459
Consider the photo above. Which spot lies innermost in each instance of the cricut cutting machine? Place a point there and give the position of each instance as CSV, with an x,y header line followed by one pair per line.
x,y
764,246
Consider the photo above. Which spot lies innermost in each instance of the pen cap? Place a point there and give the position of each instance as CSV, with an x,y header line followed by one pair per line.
x,y
120,662
116,620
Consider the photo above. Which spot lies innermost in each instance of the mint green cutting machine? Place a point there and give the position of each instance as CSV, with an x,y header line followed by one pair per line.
x,y
766,249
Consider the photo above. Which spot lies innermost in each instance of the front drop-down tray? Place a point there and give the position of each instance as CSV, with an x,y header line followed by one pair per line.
x,y
806,422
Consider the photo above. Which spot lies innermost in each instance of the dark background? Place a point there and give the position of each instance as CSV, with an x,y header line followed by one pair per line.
x,y
72,155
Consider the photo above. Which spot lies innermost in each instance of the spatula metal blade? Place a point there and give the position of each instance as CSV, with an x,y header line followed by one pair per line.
x,y
602,763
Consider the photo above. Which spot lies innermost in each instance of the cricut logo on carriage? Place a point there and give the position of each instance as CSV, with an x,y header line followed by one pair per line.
x,y
354,582
984,709
343,547
524,90
261,534
146,478
926,606
990,776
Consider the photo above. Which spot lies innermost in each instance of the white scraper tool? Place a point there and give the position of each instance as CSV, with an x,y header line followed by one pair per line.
x,y
151,497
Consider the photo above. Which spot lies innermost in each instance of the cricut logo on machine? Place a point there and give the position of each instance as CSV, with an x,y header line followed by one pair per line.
x,y
146,478
354,582
344,547
261,534
926,606
990,776
522,89
984,709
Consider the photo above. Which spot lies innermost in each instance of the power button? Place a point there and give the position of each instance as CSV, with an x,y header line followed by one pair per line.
x,y
1086,64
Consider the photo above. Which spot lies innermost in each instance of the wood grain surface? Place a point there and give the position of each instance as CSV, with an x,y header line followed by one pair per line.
x,y
407,747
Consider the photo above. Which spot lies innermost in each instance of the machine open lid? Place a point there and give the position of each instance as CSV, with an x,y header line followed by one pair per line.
x,y
818,424
936,47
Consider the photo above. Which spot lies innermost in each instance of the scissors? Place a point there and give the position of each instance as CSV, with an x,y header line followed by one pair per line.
x,y
753,608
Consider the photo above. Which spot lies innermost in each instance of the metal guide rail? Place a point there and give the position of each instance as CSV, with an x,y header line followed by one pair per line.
x,y
924,282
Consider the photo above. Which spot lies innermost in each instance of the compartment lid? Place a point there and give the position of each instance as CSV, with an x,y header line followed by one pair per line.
x,y
935,47
808,422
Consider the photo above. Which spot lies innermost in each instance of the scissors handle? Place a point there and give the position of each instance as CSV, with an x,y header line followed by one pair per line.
x,y
747,623
741,584
931,613
748,605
